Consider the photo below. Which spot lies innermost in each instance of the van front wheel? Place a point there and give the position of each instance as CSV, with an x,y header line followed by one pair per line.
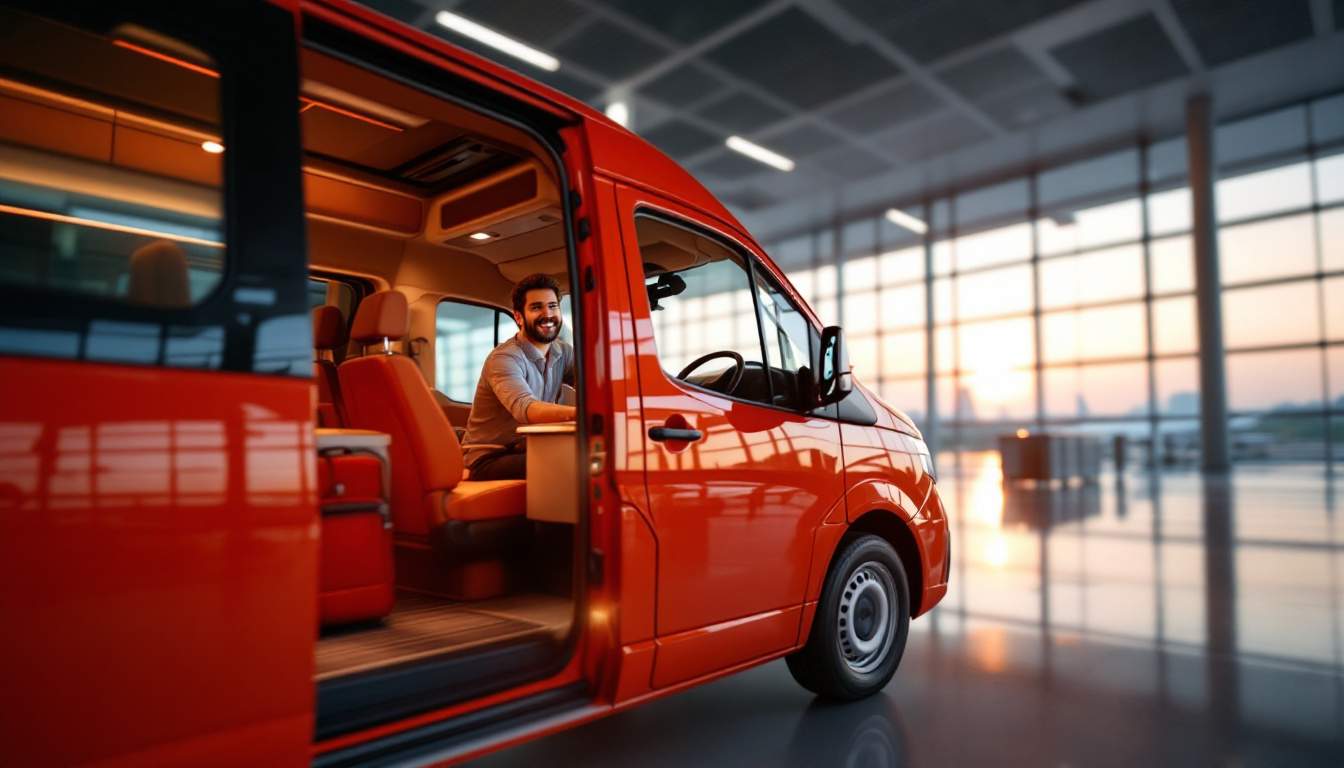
x,y
861,624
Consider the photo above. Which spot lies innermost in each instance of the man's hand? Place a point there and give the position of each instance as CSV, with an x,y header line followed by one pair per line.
x,y
545,413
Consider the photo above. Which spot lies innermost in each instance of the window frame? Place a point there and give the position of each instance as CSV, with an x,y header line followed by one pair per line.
x,y
753,263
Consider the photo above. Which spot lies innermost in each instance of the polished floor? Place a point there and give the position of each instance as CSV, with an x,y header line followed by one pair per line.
x,y
1152,619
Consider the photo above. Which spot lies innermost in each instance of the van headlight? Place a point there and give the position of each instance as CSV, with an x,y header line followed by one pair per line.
x,y
922,450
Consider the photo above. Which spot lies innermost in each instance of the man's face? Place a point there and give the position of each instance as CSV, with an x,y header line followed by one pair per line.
x,y
540,318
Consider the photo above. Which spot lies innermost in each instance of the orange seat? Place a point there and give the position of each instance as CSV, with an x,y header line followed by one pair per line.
x,y
452,534
328,335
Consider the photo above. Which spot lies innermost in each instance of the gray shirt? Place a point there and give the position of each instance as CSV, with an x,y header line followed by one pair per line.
x,y
514,376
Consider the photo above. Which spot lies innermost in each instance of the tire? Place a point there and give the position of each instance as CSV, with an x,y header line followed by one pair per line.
x,y
860,628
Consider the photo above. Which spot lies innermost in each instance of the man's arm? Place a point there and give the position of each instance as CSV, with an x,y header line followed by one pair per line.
x,y
510,386
539,412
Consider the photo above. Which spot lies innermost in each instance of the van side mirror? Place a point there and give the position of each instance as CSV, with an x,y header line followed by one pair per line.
x,y
834,379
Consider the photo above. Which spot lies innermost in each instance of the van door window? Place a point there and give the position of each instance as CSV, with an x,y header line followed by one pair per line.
x,y
464,334
788,340
112,154
704,315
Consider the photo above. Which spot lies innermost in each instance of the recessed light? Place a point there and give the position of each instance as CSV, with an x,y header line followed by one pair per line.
x,y
503,43
759,154
480,235
902,219
213,147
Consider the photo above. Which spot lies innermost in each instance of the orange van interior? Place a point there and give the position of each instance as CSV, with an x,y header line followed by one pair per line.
x,y
410,200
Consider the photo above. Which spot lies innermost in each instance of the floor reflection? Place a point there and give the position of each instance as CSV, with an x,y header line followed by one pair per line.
x,y
1169,618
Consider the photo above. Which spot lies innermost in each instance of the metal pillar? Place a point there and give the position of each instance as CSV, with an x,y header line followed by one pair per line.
x,y
930,427
1208,291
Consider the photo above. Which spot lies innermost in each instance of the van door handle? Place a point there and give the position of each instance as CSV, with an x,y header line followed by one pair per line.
x,y
672,433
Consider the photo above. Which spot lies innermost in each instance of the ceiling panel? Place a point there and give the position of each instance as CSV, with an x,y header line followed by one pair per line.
x,y
992,73
680,138
682,86
801,60
1021,108
531,22
730,166
741,112
931,137
609,50
801,140
1232,29
930,30
890,106
849,162
1120,59
750,198
685,21
401,10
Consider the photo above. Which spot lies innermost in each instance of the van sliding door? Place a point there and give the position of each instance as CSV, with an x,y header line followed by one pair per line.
x,y
157,521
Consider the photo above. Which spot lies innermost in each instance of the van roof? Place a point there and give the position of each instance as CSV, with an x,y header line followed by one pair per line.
x,y
616,150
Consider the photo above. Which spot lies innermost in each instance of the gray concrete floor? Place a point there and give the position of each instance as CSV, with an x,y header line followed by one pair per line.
x,y
1158,619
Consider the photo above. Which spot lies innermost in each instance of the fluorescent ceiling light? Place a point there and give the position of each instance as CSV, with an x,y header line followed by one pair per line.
x,y
619,112
902,219
213,147
759,154
497,41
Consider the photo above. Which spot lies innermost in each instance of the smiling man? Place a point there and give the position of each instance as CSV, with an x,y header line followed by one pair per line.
x,y
520,383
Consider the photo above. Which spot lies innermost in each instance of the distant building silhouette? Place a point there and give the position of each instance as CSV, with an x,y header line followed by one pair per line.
x,y
1183,404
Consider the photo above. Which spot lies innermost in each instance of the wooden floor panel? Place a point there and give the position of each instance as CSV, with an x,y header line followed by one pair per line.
x,y
422,626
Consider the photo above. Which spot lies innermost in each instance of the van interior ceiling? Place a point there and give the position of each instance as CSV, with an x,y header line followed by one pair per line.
x,y
410,192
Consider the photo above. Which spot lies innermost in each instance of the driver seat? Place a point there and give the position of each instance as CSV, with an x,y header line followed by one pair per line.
x,y
452,536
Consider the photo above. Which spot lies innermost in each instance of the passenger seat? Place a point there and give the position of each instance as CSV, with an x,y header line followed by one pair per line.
x,y
328,335
452,535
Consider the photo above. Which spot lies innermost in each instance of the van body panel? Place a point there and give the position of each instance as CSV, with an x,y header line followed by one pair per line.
x,y
167,549
690,654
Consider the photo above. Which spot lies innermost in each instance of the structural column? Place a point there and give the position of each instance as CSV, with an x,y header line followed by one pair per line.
x,y
1208,289
930,426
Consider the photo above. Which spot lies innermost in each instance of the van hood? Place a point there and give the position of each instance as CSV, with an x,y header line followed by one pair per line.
x,y
902,422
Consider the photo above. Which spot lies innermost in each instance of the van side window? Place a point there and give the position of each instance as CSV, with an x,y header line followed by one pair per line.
x,y
788,340
463,335
701,300
111,167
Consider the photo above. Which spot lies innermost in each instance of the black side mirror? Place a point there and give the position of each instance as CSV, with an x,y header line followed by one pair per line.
x,y
834,379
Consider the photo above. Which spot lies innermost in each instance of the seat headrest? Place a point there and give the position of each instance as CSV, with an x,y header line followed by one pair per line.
x,y
159,275
328,327
383,315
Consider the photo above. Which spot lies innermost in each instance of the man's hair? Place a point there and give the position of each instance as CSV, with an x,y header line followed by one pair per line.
x,y
535,282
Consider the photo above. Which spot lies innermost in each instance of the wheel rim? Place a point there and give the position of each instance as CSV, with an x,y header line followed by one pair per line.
x,y
866,620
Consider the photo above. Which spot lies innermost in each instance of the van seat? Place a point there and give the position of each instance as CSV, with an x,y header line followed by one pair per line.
x,y
328,335
467,526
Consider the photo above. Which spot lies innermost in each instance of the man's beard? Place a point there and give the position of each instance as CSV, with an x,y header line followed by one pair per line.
x,y
540,335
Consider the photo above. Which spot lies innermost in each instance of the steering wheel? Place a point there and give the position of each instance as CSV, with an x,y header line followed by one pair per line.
x,y
739,368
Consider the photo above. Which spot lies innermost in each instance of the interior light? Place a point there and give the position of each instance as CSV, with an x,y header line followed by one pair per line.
x,y
1023,434
480,235
213,147
499,42
619,112
759,154
902,219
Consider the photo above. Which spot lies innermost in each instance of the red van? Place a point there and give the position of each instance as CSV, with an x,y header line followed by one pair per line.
x,y
252,255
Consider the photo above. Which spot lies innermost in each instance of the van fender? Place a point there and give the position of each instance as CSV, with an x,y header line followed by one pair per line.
x,y
871,506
